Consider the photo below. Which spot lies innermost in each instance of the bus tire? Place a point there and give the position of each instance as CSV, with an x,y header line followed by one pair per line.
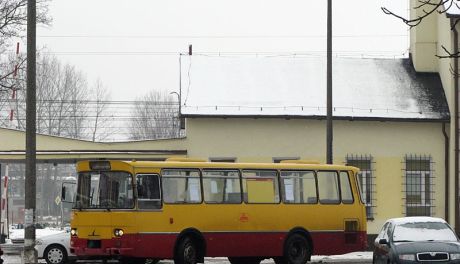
x,y
186,252
296,250
244,260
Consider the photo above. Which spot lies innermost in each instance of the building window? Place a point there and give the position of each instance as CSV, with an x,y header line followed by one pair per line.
x,y
223,159
279,159
366,180
418,185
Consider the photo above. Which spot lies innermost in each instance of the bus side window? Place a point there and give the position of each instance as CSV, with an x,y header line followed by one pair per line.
x,y
181,186
260,186
345,186
328,187
298,187
221,186
148,191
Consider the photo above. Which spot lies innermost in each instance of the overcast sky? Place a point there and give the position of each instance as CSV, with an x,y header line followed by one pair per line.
x,y
133,46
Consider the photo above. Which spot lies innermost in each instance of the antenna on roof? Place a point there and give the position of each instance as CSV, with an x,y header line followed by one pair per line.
x,y
190,50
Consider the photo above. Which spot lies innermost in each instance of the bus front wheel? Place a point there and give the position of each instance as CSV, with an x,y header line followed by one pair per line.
x,y
296,251
186,252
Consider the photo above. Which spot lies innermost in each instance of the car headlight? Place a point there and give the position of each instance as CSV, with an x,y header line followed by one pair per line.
x,y
407,257
73,232
455,256
38,242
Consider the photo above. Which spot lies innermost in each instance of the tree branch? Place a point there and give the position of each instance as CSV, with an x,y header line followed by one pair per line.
x,y
414,22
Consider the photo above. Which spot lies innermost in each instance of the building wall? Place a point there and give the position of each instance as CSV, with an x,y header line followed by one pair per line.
x,y
423,38
260,140
436,29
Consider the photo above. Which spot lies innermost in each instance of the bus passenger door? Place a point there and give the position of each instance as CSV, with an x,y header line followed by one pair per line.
x,y
148,191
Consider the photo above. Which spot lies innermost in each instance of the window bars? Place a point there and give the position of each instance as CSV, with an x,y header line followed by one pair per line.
x,y
366,180
418,181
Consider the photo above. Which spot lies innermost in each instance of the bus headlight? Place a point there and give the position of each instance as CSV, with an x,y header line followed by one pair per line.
x,y
73,232
118,232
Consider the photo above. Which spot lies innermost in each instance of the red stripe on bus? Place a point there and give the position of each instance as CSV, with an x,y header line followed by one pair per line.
x,y
219,244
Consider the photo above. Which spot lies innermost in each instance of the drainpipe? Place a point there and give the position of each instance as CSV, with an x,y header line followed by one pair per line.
x,y
446,171
454,29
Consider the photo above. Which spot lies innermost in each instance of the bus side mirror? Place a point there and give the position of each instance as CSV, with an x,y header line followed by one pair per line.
x,y
63,193
67,192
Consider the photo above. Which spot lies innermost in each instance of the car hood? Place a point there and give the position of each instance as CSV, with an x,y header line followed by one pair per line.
x,y
57,236
426,246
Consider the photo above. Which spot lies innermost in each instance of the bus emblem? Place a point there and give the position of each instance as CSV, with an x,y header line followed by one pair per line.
x,y
93,234
244,217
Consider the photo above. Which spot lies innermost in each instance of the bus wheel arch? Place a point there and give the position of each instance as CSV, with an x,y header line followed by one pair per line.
x,y
303,233
197,239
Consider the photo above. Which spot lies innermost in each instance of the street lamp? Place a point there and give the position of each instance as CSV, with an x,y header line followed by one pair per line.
x,y
178,115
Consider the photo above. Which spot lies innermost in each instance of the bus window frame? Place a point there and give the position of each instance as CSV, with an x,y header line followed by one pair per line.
x,y
358,186
338,187
277,178
282,194
350,185
240,179
183,169
161,194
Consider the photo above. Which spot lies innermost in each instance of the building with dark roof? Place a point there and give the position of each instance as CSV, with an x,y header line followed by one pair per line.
x,y
389,120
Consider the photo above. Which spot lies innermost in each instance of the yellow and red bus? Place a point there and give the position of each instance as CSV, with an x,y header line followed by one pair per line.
x,y
186,210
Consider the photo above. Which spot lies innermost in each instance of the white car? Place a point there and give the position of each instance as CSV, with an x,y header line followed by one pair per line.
x,y
55,248
52,245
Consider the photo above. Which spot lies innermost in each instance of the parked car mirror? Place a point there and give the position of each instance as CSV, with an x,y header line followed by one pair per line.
x,y
383,241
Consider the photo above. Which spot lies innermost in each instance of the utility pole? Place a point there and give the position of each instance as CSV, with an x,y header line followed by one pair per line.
x,y
30,255
329,133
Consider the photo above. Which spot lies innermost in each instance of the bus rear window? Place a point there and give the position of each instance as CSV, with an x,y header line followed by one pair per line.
x,y
181,186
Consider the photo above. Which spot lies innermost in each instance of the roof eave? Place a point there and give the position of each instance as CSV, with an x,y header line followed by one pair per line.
x,y
346,118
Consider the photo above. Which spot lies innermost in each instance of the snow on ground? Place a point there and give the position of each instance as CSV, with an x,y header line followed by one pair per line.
x,y
355,257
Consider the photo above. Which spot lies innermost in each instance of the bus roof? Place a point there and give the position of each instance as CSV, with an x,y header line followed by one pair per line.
x,y
196,163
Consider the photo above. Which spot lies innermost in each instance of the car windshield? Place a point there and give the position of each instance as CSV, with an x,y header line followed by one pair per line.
x,y
423,231
105,190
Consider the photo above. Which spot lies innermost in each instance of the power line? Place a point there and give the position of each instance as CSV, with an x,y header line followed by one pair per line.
x,y
225,36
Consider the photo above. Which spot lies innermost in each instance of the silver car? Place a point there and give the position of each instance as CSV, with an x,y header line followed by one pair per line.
x,y
416,240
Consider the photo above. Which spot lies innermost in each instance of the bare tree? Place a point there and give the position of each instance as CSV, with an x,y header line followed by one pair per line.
x,y
155,116
100,126
13,22
427,8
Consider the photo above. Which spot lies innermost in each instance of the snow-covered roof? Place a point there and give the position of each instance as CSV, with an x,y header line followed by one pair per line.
x,y
296,87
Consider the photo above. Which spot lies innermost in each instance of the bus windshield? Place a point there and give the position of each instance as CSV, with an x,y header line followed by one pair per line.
x,y
104,190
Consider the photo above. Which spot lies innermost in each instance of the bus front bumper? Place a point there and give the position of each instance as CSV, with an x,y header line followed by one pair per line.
x,y
101,248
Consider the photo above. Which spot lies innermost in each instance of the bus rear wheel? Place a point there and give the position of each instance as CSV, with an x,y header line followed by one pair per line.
x,y
186,252
244,260
296,251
